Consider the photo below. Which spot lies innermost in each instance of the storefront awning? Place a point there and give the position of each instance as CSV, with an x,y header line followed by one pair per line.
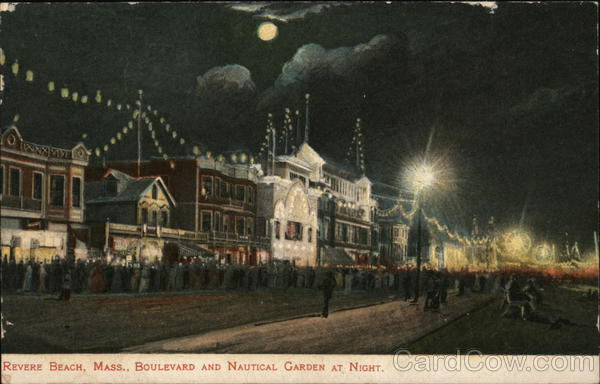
x,y
335,256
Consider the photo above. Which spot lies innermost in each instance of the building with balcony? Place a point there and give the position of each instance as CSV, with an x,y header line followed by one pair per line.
x,y
393,229
346,212
41,197
215,199
144,204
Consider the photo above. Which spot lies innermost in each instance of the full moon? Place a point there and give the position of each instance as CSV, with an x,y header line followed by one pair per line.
x,y
267,31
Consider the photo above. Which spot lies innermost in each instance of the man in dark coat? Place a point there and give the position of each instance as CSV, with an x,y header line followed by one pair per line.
x,y
327,286
407,285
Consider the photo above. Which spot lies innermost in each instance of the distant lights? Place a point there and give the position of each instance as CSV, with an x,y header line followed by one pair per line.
x,y
15,67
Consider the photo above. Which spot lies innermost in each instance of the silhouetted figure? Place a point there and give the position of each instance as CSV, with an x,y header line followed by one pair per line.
x,y
327,286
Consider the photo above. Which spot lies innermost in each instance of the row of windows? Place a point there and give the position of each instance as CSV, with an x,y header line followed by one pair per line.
x,y
163,216
294,176
352,234
399,234
215,187
294,231
57,187
347,188
219,222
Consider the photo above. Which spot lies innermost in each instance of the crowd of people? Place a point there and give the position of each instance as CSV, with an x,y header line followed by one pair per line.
x,y
98,277
101,277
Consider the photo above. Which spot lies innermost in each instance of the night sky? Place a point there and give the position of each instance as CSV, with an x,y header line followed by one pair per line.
x,y
506,96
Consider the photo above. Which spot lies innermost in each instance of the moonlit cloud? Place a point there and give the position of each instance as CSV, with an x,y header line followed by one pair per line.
x,y
283,12
231,77
313,60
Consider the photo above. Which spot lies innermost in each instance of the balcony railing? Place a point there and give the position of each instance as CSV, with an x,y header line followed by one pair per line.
x,y
202,237
350,212
227,202
18,202
230,237
146,230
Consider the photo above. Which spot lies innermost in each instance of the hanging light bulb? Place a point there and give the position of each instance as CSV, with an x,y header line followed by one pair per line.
x,y
159,149
29,75
243,157
109,103
15,67
16,118
162,120
234,158
118,107
128,106
156,143
165,156
174,134
51,86
64,93
113,140
196,150
97,151
105,148
155,112
168,127
2,57
84,136
98,97
130,124
119,136
208,155
84,99
74,96
182,141
124,130
153,134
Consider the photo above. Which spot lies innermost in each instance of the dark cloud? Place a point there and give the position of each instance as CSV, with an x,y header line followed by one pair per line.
x,y
228,78
283,12
313,63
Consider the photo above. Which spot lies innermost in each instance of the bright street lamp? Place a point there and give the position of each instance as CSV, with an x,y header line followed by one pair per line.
x,y
420,177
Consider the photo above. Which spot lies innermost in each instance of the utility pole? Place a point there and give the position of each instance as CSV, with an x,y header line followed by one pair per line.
x,y
298,131
418,276
274,148
139,136
306,118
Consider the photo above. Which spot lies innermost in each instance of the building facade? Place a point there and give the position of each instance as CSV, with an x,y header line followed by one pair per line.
x,y
346,212
42,198
287,206
214,198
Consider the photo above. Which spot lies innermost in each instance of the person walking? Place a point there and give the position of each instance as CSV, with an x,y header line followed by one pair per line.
x,y
327,286
407,285
66,286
